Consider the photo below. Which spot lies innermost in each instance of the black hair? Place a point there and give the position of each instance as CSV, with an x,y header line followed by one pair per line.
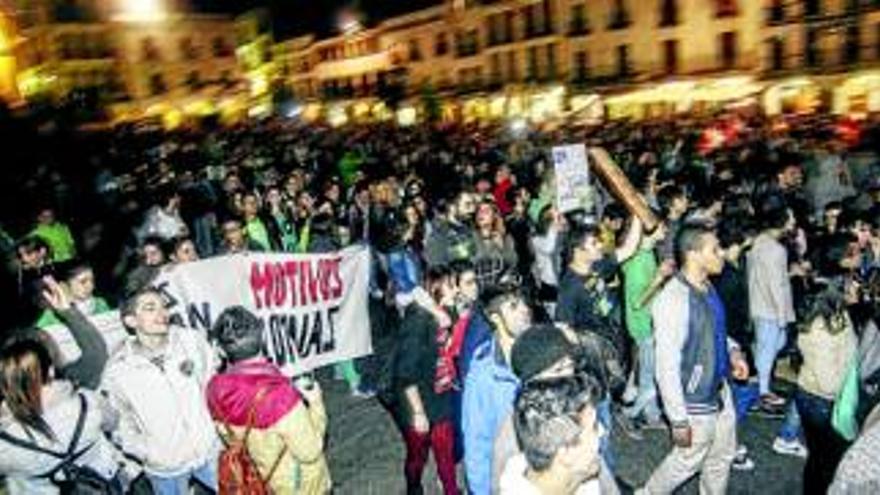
x,y
33,243
773,212
731,231
689,239
667,195
74,268
239,333
575,238
547,415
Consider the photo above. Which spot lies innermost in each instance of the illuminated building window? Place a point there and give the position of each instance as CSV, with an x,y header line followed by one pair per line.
x,y
512,68
619,18
188,50
668,13
193,80
149,51
578,25
777,54
877,45
441,45
812,55
415,53
726,8
776,13
623,68
581,66
532,64
551,61
495,69
220,47
727,50
509,33
670,56
157,85
851,47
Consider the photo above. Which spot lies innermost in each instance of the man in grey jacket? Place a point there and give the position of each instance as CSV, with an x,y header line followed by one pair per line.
x,y
694,360
771,305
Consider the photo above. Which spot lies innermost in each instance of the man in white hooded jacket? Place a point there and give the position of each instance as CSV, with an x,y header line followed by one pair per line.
x,y
156,382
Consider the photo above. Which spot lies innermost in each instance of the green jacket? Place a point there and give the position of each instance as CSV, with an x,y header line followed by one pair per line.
x,y
638,272
59,239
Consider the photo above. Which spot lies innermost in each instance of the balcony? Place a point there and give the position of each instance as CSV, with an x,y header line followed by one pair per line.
x,y
825,61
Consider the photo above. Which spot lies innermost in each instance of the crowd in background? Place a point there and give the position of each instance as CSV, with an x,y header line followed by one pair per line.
x,y
520,335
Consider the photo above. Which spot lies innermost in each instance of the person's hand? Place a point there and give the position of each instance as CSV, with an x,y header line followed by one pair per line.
x,y
420,423
667,268
739,366
311,391
55,295
682,436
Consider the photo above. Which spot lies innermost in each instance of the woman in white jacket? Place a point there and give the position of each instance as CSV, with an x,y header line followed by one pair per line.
x,y
157,383
40,415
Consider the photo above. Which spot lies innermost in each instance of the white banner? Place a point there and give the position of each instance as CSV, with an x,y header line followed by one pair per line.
x,y
572,178
313,306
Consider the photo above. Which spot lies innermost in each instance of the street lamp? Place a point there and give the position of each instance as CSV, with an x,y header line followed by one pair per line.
x,y
141,10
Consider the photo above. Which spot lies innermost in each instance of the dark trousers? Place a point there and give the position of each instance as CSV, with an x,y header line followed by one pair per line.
x,y
826,447
440,439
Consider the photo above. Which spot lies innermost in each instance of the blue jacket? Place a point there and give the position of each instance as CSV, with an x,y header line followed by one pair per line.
x,y
489,392
478,332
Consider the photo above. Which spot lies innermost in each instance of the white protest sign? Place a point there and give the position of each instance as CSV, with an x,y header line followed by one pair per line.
x,y
313,306
109,324
572,178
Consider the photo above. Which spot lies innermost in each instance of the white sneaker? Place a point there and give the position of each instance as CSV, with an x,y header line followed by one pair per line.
x,y
789,447
743,463
742,450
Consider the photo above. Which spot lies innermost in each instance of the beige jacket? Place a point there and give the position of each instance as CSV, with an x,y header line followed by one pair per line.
x,y
826,357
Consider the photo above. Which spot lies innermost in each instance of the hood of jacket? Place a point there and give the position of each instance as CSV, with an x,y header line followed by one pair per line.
x,y
231,395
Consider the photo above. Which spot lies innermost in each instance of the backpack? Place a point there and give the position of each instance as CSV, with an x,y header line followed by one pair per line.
x,y
237,473
75,479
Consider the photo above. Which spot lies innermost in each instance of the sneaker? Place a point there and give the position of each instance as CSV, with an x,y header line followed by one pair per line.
x,y
363,392
743,463
742,450
772,400
630,427
646,424
789,447
767,411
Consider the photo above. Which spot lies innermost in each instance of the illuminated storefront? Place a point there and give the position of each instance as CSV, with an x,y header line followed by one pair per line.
x,y
794,96
858,95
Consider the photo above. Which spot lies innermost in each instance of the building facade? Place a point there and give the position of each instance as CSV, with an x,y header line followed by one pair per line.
x,y
133,62
644,57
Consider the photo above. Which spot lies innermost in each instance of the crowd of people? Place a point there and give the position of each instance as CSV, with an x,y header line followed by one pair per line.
x,y
519,336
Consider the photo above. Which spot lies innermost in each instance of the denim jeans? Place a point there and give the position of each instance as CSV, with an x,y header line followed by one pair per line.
x,y
770,339
825,447
603,415
205,474
646,401
791,424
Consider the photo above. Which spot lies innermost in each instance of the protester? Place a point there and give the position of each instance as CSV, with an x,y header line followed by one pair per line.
x,y
44,415
426,388
490,385
558,431
284,425
694,360
156,383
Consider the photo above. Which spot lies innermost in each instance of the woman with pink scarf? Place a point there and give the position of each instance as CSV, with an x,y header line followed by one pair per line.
x,y
286,441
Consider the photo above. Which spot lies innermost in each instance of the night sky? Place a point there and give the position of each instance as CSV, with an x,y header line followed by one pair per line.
x,y
294,17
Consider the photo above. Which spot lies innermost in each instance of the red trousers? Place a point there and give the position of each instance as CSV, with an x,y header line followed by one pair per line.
x,y
441,439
